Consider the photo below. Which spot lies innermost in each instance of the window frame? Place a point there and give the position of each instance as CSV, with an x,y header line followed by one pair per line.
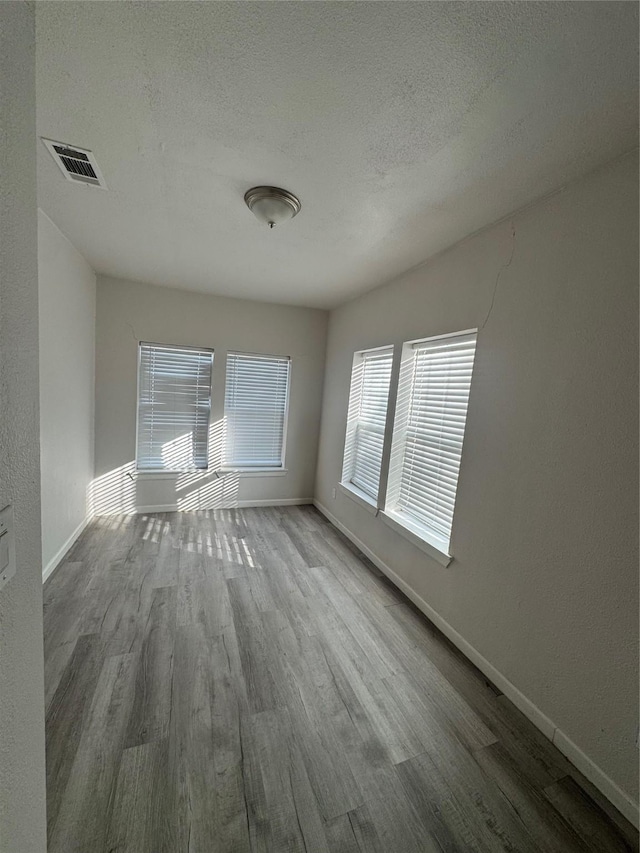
x,y
159,473
261,470
346,484
421,535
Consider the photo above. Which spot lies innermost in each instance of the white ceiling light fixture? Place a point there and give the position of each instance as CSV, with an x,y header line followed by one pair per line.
x,y
272,205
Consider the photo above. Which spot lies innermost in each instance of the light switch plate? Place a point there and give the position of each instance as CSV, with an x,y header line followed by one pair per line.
x,y
7,546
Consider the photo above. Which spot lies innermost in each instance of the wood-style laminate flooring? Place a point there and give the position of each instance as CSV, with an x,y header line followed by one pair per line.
x,y
245,680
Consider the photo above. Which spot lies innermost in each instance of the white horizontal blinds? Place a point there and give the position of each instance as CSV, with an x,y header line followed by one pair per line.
x,y
174,407
367,420
433,430
255,410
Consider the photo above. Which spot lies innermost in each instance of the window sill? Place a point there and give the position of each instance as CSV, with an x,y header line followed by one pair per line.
x,y
255,472
359,497
418,537
163,474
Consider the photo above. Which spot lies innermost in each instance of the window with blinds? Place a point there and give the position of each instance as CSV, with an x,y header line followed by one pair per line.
x,y
431,412
255,410
367,419
174,407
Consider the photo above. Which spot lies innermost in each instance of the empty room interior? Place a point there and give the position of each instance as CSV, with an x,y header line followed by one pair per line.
x,y
319,427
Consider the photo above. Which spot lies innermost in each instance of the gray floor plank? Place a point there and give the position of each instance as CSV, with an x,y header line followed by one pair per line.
x,y
66,715
321,724
340,835
544,823
151,712
85,803
261,671
205,749
141,819
477,810
294,822
588,822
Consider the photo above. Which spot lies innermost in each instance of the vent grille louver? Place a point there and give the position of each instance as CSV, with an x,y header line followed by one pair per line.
x,y
76,164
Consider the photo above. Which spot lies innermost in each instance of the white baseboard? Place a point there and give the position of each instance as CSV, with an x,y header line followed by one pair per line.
x,y
156,508
57,558
235,505
578,758
282,502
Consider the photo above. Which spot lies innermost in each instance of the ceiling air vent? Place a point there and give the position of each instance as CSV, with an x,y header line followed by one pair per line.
x,y
77,164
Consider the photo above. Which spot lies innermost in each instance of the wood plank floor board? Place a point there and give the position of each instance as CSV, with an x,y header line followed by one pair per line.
x,y
372,753
122,622
65,716
228,642
499,715
340,836
111,580
308,675
550,831
587,821
437,691
261,669
294,822
432,797
261,590
355,572
255,797
364,830
142,814
288,597
468,813
356,640
490,809
588,797
190,745
310,545
390,823
205,757
56,661
283,549
166,561
341,543
399,826
62,618
321,724
329,625
152,705
372,708
205,600
245,681
86,801
73,581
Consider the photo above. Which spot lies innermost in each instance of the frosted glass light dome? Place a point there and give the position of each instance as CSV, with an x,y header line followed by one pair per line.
x,y
272,205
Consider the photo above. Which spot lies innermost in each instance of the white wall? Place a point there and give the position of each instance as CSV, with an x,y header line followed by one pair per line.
x,y
544,584
22,773
67,295
129,312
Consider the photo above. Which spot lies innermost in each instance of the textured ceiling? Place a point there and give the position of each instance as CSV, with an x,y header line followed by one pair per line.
x,y
403,127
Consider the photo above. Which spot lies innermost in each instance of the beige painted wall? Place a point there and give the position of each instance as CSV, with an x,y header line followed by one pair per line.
x,y
129,312
67,307
544,583
22,773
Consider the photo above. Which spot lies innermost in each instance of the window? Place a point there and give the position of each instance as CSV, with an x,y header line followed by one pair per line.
x,y
255,410
433,394
366,421
174,406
